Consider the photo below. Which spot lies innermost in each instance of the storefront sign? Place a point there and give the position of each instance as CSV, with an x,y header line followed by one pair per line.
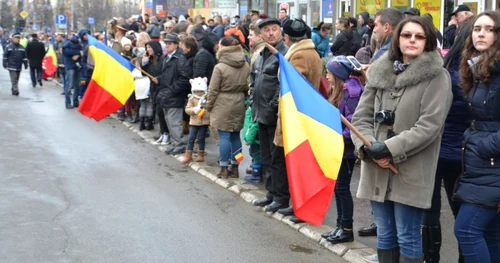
x,y
327,11
432,7
370,6
399,3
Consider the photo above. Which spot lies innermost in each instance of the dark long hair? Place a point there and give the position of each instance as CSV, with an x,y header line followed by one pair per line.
x,y
429,31
462,34
488,57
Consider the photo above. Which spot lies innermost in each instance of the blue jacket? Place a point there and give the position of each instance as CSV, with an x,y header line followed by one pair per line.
x,y
458,119
384,48
3,42
322,43
85,47
480,180
70,49
350,99
14,57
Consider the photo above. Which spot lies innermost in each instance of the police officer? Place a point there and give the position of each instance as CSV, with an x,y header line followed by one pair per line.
x,y
13,58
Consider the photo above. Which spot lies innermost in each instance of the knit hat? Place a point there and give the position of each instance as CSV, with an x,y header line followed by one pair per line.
x,y
365,15
125,41
199,84
340,67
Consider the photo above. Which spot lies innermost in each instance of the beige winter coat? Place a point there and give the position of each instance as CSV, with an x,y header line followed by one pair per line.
x,y
305,59
228,90
194,120
424,94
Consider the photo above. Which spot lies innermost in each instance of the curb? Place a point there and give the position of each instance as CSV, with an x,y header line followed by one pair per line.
x,y
351,252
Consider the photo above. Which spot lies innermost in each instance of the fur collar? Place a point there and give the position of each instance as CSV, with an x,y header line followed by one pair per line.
x,y
424,67
299,46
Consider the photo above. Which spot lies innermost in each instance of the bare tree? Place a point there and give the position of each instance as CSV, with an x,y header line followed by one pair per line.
x,y
6,17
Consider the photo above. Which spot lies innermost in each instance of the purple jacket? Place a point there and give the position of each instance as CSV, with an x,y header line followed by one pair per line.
x,y
352,92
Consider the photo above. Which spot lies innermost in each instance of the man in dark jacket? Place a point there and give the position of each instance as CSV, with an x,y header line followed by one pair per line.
x,y
73,52
346,43
85,69
35,52
265,86
171,95
363,23
204,61
14,57
3,39
154,29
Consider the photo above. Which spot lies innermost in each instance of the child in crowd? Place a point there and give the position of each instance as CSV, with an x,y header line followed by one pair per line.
x,y
199,121
74,43
251,137
345,93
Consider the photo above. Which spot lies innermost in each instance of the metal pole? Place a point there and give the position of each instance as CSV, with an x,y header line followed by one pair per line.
x,y
297,9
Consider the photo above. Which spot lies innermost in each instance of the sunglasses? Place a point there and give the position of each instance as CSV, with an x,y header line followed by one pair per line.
x,y
407,35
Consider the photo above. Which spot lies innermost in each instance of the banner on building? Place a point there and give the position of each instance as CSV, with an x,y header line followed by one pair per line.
x,y
370,6
433,7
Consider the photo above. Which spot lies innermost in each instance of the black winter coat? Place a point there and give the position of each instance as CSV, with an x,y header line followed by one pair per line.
x,y
35,52
204,61
266,86
346,43
174,81
14,57
480,181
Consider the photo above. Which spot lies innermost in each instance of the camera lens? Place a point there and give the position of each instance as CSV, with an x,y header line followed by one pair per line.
x,y
379,117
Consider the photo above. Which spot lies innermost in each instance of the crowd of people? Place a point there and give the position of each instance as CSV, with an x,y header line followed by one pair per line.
x,y
429,107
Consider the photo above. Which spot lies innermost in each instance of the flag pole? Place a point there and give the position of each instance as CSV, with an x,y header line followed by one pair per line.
x,y
364,140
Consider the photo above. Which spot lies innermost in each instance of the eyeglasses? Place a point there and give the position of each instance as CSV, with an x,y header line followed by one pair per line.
x,y
418,36
168,27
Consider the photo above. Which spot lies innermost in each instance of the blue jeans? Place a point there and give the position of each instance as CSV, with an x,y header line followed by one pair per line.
x,y
197,132
343,196
478,233
398,225
72,81
229,146
63,80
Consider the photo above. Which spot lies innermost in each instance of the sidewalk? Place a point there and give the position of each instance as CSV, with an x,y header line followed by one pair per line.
x,y
351,252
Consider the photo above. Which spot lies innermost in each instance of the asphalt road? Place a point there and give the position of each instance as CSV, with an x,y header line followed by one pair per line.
x,y
74,190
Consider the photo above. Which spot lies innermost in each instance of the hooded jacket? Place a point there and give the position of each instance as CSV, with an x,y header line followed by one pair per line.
x,y
346,43
321,43
479,183
204,61
228,90
71,48
154,67
363,28
174,81
266,85
85,46
154,29
420,98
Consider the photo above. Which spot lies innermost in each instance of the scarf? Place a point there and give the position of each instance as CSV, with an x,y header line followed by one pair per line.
x,y
399,66
473,64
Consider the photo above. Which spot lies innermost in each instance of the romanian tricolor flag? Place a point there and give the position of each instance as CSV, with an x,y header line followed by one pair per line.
x,y
49,62
313,141
201,113
111,84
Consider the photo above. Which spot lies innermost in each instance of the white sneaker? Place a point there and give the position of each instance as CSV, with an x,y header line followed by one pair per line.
x,y
371,258
159,139
165,140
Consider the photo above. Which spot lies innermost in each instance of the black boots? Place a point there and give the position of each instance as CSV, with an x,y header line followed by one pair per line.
x,y
431,243
142,126
149,123
389,255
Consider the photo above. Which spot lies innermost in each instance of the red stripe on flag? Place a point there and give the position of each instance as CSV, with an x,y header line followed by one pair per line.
x,y
50,68
97,102
310,190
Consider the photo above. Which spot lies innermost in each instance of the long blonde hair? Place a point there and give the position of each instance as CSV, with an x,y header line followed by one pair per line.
x,y
143,39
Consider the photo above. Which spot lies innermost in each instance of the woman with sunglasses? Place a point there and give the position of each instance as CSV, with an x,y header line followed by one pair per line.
x,y
409,93
477,226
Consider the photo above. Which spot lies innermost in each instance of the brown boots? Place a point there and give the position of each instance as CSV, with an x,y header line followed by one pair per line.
x,y
201,156
188,157
224,173
234,173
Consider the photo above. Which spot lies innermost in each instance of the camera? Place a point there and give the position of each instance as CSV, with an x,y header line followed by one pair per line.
x,y
385,117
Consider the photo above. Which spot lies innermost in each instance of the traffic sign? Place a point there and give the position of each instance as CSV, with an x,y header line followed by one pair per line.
x,y
91,20
61,19
24,14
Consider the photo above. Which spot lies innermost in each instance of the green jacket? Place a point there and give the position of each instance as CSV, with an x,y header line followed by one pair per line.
x,y
250,128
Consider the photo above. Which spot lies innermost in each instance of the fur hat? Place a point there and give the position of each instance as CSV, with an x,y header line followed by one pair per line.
x,y
340,67
199,84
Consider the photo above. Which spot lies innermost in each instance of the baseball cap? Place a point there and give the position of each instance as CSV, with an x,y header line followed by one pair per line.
x,y
413,11
460,8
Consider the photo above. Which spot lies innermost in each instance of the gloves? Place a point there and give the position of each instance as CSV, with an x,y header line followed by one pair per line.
x,y
378,151
196,110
